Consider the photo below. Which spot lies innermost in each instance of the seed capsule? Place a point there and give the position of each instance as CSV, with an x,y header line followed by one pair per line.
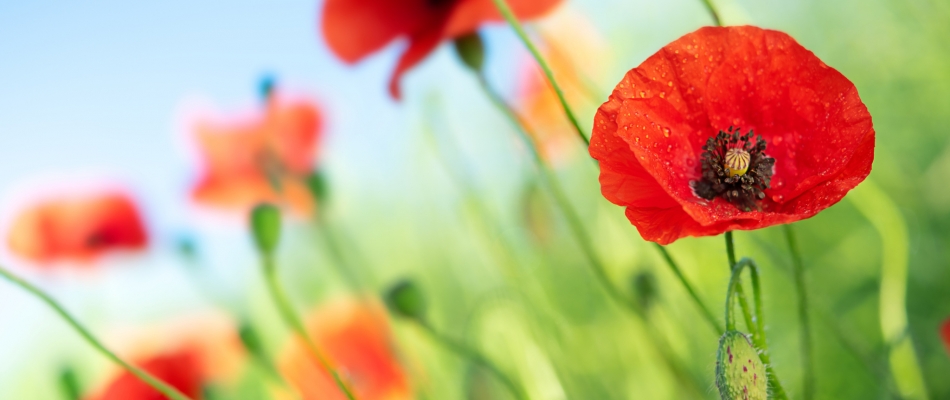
x,y
740,374
737,161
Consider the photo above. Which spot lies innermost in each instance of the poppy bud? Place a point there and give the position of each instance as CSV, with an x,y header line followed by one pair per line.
x,y
471,50
740,374
317,184
405,299
644,288
69,383
265,226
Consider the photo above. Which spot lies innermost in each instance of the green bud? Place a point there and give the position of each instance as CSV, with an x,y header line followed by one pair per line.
x,y
644,288
740,374
265,226
317,184
405,299
69,383
471,50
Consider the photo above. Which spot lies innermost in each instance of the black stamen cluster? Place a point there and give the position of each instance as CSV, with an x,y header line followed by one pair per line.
x,y
742,190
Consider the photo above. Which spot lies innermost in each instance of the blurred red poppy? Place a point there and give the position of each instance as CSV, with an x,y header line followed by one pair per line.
x,y
355,338
77,228
668,153
356,29
180,370
264,159
190,353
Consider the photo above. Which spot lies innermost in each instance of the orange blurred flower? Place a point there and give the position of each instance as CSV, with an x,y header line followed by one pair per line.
x,y
187,354
77,228
262,159
355,338
573,49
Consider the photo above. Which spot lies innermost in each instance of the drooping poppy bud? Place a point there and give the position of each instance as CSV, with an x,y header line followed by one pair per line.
x,y
740,374
471,50
406,300
265,227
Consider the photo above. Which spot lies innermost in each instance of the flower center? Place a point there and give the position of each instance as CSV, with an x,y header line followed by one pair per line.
x,y
737,161
736,168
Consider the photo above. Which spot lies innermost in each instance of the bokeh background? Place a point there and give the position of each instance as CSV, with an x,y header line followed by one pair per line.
x,y
436,189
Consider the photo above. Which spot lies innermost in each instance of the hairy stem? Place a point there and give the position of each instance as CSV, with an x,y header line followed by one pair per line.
x,y
758,338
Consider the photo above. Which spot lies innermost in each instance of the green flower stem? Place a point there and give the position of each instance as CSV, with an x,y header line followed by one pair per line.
x,y
576,227
743,303
465,351
560,199
775,385
505,10
146,377
808,389
689,288
712,12
290,317
887,220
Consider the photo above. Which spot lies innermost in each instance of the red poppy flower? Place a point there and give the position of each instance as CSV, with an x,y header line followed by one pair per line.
x,y
669,154
188,353
77,228
355,337
261,159
945,334
180,370
355,29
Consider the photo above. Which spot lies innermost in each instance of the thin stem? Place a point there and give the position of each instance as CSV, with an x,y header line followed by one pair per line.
x,y
290,317
573,220
712,12
743,303
467,352
505,10
146,377
560,199
689,288
758,337
808,391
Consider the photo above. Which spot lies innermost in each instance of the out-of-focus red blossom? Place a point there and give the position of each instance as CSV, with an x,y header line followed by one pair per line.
x,y
945,334
355,29
77,228
180,370
649,136
188,353
355,338
262,159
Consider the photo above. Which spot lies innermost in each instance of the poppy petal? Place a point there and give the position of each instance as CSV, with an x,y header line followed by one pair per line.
x,y
816,126
356,29
420,45
468,15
